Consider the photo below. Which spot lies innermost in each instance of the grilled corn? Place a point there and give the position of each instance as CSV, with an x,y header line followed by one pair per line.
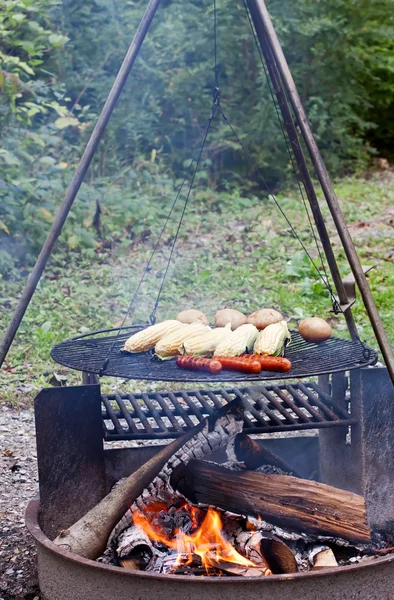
x,y
169,345
147,338
272,340
241,340
204,344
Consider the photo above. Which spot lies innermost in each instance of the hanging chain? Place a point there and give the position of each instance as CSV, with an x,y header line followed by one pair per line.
x,y
213,111
273,197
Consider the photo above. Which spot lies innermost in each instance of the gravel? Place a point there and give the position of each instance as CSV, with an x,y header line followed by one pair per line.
x,y
19,483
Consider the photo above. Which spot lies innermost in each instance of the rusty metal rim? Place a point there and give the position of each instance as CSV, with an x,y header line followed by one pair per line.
x,y
32,524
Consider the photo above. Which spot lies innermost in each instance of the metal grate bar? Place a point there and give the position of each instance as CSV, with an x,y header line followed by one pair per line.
x,y
154,412
262,405
181,412
288,401
125,414
315,399
228,398
298,397
267,409
192,406
140,414
168,413
329,400
279,407
111,413
208,409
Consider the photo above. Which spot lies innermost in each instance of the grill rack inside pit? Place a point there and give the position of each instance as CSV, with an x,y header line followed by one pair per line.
x,y
268,408
90,352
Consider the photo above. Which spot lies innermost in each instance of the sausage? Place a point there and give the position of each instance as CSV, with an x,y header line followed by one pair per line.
x,y
270,363
239,363
194,363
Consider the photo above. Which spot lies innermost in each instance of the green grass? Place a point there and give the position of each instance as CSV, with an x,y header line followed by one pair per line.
x,y
232,251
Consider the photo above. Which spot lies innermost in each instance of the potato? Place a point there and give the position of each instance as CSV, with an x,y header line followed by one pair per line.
x,y
192,316
229,315
314,329
264,317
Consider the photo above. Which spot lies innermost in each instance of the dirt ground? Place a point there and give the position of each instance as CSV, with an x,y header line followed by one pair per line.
x,y
19,483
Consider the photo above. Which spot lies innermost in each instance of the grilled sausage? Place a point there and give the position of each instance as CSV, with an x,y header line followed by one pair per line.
x,y
270,363
194,363
239,363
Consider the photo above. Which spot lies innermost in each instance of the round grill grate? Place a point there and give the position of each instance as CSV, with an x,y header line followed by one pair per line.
x,y
89,352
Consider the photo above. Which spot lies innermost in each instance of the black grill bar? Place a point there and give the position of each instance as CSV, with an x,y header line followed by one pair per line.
x,y
140,414
125,414
180,411
272,400
314,399
268,409
329,400
287,399
169,414
304,403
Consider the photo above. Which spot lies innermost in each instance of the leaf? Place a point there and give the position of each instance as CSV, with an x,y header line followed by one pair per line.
x,y
46,326
64,122
72,241
57,39
4,227
48,216
48,161
205,275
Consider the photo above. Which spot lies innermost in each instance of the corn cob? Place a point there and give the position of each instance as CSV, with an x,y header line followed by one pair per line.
x,y
272,340
241,340
148,337
204,344
169,345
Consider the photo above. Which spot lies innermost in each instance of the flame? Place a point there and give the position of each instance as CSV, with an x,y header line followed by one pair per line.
x,y
207,542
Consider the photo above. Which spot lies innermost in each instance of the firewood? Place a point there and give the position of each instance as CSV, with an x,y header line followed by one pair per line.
x,y
278,555
298,504
240,570
129,563
132,542
254,455
261,548
89,536
324,558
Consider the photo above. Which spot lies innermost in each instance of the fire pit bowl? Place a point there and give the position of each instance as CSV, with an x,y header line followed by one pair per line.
x,y
63,576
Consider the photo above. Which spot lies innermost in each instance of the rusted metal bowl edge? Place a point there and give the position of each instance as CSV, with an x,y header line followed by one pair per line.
x,y
32,524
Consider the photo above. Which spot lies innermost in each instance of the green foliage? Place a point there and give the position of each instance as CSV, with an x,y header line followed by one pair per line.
x,y
234,251
58,60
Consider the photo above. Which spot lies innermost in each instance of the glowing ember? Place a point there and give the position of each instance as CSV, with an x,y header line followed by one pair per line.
x,y
206,541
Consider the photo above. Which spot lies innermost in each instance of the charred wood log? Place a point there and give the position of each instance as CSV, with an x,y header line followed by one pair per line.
x,y
299,504
224,424
89,536
134,549
254,455
261,548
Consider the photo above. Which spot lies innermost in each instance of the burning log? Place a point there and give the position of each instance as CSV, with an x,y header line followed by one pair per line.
x,y
299,504
88,537
262,548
